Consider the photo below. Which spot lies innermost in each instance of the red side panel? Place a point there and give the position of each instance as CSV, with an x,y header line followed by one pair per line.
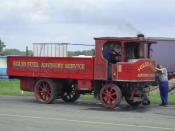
x,y
27,84
51,67
141,70
100,72
84,85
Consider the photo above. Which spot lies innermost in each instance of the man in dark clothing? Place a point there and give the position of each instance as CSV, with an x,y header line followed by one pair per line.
x,y
163,84
106,53
112,56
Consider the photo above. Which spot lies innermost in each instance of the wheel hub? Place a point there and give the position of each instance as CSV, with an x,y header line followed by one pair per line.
x,y
46,91
110,95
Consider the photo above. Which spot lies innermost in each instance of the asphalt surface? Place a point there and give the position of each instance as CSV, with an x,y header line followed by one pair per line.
x,y
21,113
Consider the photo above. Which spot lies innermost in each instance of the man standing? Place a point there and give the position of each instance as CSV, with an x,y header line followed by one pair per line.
x,y
112,55
163,84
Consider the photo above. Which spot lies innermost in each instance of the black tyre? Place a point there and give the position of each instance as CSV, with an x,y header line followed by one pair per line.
x,y
132,103
110,96
70,94
45,91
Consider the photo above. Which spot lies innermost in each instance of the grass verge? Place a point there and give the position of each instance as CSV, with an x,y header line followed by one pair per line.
x,y
12,87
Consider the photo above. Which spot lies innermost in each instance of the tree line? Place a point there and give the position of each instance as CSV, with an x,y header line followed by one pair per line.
x,y
30,52
5,52
84,52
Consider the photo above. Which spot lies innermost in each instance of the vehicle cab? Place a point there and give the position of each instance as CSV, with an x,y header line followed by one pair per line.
x,y
124,59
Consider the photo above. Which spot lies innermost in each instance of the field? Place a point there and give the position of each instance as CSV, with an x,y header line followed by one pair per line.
x,y
12,87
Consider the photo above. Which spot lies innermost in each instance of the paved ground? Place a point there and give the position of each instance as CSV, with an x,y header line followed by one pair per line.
x,y
25,114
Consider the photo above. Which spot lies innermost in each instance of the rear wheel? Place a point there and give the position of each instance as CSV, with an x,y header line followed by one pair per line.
x,y
110,95
45,91
132,97
70,94
132,102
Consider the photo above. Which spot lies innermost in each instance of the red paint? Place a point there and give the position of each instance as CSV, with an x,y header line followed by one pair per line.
x,y
133,92
49,67
84,85
114,72
141,70
26,84
85,70
100,64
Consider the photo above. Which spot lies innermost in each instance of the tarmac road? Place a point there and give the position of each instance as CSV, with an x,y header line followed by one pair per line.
x,y
21,113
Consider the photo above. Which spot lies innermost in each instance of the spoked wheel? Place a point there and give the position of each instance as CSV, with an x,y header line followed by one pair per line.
x,y
70,94
129,97
110,96
45,91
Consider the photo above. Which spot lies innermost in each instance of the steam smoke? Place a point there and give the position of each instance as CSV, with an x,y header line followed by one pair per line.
x,y
129,29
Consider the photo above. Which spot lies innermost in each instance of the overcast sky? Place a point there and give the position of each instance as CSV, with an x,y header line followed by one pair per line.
x,y
23,22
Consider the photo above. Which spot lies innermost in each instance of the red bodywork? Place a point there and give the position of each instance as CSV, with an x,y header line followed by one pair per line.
x,y
78,68
49,67
85,70
141,70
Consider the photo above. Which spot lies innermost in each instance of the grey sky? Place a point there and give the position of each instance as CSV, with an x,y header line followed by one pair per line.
x,y
23,22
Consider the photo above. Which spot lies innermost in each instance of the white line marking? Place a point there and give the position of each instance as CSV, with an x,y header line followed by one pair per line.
x,y
89,122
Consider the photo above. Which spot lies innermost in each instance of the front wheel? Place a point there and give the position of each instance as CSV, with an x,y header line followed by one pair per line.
x,y
45,91
110,95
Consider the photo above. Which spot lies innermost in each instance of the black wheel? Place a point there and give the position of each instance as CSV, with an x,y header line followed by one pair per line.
x,y
132,103
110,96
45,91
70,94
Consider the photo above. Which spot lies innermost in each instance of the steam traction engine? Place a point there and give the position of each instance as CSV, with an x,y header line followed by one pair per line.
x,y
52,78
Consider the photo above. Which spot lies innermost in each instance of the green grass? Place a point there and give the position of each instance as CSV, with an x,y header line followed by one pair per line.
x,y
155,98
12,87
87,97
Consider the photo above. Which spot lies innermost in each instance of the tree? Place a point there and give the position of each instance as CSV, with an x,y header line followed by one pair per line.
x,y
84,52
16,52
12,52
2,45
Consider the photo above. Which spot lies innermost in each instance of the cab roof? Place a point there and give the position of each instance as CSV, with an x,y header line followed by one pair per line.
x,y
126,39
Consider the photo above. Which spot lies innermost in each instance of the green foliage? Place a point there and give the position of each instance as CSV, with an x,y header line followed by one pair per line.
x,y
2,45
16,52
155,98
84,52
11,87
12,52
30,53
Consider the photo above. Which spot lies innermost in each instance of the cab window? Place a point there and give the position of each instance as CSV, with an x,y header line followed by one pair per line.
x,y
112,52
134,51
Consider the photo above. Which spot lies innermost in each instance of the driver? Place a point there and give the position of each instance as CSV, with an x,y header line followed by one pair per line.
x,y
112,54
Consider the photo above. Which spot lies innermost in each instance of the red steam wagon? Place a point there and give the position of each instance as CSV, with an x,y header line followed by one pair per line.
x,y
120,67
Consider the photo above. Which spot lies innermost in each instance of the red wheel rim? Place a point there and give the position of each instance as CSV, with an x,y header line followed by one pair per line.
x,y
44,91
109,95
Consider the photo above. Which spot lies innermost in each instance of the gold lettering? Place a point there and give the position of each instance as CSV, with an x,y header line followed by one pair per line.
x,y
16,63
146,75
32,64
144,65
19,64
49,65
74,66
